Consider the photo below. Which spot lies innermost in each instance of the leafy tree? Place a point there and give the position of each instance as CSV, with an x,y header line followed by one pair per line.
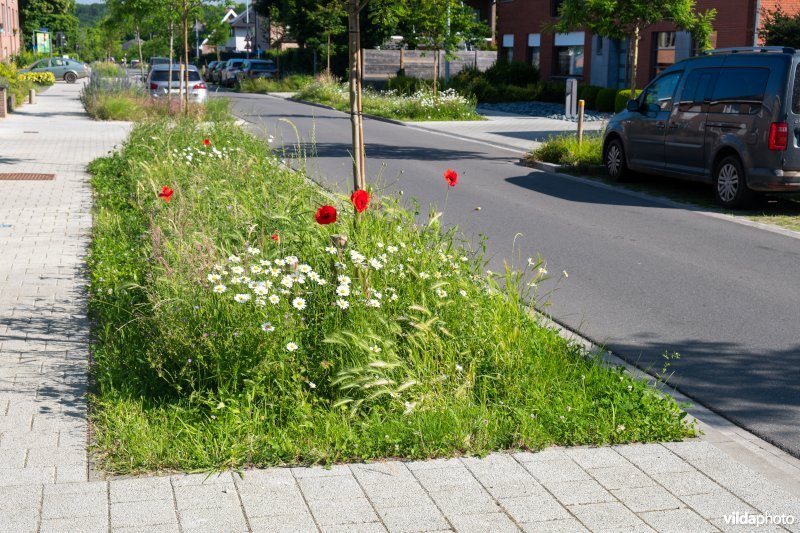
x,y
55,15
780,29
331,18
219,33
90,14
626,19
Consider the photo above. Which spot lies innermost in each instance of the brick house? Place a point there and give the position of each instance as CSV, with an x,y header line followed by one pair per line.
x,y
520,36
10,33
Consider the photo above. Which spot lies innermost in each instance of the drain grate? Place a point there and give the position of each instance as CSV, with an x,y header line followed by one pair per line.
x,y
25,176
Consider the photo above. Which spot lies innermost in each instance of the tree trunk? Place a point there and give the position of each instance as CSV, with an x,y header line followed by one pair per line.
x,y
435,72
141,59
358,142
634,59
186,57
328,69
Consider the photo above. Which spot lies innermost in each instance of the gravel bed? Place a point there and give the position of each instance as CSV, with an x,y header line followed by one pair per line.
x,y
542,109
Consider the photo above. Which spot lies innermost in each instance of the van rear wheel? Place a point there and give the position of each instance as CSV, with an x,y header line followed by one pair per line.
x,y
730,184
615,162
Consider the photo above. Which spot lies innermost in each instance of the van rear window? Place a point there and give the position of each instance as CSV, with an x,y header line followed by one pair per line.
x,y
796,92
739,91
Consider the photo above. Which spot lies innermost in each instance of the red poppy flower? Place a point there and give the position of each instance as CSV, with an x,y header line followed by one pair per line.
x,y
275,237
326,214
451,176
360,199
166,193
206,142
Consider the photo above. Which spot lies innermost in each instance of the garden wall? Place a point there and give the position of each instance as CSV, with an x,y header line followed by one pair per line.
x,y
384,64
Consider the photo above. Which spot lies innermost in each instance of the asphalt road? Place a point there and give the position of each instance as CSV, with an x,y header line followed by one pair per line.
x,y
644,279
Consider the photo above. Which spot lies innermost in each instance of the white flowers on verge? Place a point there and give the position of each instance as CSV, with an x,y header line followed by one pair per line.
x,y
219,289
237,270
253,251
214,278
441,293
462,292
391,249
274,299
342,304
292,346
331,250
233,258
255,269
424,275
266,326
344,280
305,269
373,303
287,281
261,290
374,263
265,262
242,298
299,304
343,290
375,348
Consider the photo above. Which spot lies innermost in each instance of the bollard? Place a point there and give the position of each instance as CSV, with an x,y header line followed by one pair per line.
x,y
12,102
581,103
32,96
3,100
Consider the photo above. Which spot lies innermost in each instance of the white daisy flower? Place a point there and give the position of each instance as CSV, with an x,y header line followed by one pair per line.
x,y
437,275
321,281
253,251
342,304
261,290
380,245
343,290
312,384
313,276
233,258
219,268
402,244
242,298
331,250
255,269
462,292
265,262
237,270
300,279
219,289
394,297
441,293
377,295
391,249
383,257
374,263
464,259
286,292
280,262
424,275
287,282
305,269
261,302
299,304
373,303
542,271
266,326
344,280
291,346
214,278
375,348
252,285
274,299
291,259
275,272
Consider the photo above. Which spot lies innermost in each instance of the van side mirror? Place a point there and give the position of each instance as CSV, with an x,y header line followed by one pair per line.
x,y
633,105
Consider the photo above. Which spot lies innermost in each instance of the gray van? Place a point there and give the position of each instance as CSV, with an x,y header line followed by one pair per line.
x,y
730,118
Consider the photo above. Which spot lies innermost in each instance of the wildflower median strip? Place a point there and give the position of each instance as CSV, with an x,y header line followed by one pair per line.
x,y
243,318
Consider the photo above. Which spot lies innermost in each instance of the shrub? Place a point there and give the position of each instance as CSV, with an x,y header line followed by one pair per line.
x,y
39,78
408,85
606,100
622,98
565,150
590,96
17,84
553,91
512,73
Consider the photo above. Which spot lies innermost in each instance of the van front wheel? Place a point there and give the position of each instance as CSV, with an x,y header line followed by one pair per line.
x,y
730,184
614,160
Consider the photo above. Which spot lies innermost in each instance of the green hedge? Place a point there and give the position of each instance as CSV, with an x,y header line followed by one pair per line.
x,y
606,99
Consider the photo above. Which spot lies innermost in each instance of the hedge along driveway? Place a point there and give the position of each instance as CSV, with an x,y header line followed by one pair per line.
x,y
233,330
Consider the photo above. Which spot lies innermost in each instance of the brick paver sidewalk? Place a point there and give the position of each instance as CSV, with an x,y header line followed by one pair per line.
x,y
44,477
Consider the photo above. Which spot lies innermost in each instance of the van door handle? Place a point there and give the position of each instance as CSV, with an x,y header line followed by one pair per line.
x,y
660,125
673,125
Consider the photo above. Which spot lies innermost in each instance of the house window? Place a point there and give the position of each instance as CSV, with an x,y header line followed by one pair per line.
x,y
569,58
508,47
663,51
534,49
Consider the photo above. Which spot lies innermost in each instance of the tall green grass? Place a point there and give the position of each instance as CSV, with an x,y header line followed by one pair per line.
x,y
431,357
565,150
295,82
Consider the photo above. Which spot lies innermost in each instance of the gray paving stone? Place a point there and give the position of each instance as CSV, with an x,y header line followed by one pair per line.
x,y
57,456
413,519
548,454
556,470
270,478
453,477
621,476
556,526
72,474
716,504
397,494
503,477
74,505
143,513
215,495
20,498
26,476
687,483
433,464
640,499
608,518
330,488
19,521
185,480
292,523
377,473
318,471
140,489
160,528
260,502
465,501
372,527
481,523
677,521
652,458
534,509
332,513
83,524
693,450
579,492
212,520
591,457
13,458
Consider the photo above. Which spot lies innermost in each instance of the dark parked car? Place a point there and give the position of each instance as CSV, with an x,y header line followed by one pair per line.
x,y
227,75
257,68
216,72
730,118
68,70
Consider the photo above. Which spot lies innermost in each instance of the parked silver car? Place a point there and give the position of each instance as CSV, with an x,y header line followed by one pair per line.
x,y
65,69
159,87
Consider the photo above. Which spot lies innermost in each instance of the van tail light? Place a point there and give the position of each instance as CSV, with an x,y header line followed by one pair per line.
x,y
778,136
199,86
153,86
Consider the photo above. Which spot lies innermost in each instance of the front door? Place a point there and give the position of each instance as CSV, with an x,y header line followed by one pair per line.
x,y
647,129
685,146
